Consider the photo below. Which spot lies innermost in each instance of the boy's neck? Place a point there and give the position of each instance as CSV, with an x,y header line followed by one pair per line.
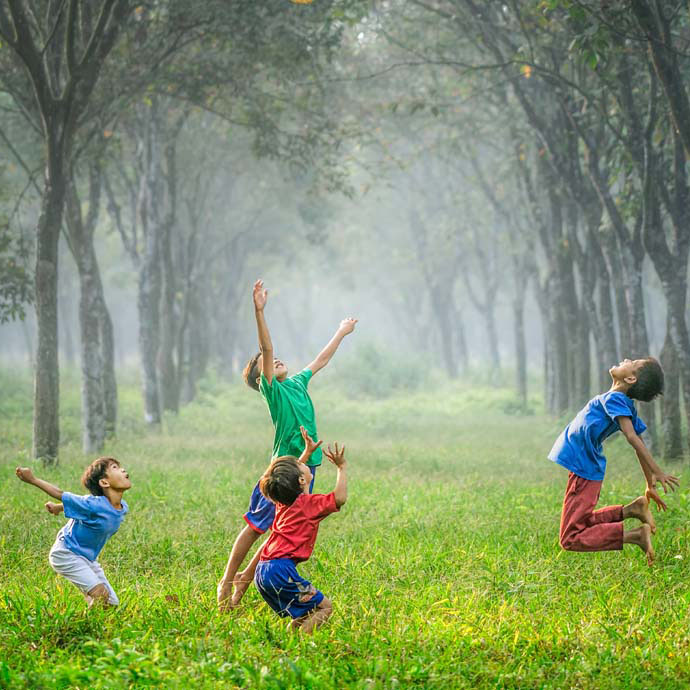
x,y
619,387
115,497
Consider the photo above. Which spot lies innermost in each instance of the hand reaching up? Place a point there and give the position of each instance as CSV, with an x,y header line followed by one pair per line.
x,y
347,325
309,445
337,456
260,295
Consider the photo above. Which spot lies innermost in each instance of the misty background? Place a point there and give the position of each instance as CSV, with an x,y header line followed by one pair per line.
x,y
497,191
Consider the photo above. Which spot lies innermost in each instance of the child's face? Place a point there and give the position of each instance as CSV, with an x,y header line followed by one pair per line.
x,y
305,479
117,477
626,371
280,371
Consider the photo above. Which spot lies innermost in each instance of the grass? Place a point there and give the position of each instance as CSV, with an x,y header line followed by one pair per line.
x,y
444,566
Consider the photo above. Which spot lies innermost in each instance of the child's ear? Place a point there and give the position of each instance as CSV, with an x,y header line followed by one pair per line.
x,y
103,483
630,380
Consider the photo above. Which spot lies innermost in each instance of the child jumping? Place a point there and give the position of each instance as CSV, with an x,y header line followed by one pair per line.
x,y
293,535
93,520
290,408
579,450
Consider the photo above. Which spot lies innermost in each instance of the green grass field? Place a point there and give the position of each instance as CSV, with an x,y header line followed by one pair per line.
x,y
444,566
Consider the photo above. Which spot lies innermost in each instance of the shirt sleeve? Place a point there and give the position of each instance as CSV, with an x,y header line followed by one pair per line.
x,y
77,507
319,506
303,377
617,405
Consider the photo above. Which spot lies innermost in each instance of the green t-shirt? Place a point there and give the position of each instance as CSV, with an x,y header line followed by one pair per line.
x,y
291,407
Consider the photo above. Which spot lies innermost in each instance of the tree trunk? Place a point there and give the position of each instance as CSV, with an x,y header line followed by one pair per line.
x,y
460,338
520,345
65,317
97,366
93,407
441,309
489,317
167,369
46,428
147,303
107,341
670,403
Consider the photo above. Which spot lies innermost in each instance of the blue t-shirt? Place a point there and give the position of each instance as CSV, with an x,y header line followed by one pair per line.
x,y
93,521
578,448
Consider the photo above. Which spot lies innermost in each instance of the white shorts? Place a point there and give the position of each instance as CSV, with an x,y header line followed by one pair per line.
x,y
80,571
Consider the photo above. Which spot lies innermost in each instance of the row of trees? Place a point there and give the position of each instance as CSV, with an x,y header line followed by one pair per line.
x,y
98,94
570,120
525,147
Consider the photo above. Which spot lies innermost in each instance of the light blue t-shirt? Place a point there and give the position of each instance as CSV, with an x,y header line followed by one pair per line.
x,y
93,520
579,447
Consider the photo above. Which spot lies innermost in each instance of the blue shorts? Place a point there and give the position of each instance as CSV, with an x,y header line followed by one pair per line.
x,y
261,511
284,590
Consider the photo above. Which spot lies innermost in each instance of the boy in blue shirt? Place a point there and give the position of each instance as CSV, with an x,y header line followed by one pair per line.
x,y
290,407
579,450
93,520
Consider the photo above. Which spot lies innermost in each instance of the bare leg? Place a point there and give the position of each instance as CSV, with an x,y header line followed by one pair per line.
x,y
316,617
244,542
639,509
243,579
98,596
642,536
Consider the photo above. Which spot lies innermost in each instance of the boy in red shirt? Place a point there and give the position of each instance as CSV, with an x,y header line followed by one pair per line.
x,y
293,534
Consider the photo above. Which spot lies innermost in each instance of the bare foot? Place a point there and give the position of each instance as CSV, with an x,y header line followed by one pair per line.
x,y
642,536
639,509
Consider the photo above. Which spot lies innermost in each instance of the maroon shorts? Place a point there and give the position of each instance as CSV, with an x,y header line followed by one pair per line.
x,y
582,527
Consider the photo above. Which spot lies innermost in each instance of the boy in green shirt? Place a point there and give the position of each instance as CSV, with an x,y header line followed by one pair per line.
x,y
291,408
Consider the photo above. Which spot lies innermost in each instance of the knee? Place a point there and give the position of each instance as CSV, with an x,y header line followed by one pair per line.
x,y
567,541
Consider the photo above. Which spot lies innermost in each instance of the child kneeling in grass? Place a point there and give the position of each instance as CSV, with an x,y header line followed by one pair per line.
x,y
293,534
579,450
93,520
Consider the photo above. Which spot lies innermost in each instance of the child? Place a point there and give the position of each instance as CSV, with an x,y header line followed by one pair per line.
x,y
298,514
290,407
93,520
579,450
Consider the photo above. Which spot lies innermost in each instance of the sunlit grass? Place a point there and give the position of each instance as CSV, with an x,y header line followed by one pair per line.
x,y
444,565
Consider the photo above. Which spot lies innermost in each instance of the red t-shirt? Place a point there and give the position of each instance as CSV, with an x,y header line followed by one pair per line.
x,y
295,527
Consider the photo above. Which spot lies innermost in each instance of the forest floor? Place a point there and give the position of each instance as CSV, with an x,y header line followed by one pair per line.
x,y
444,566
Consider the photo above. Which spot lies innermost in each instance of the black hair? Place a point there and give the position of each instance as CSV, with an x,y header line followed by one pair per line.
x,y
94,473
280,482
650,381
251,372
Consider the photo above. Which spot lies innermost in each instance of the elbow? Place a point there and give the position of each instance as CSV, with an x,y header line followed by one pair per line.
x,y
340,501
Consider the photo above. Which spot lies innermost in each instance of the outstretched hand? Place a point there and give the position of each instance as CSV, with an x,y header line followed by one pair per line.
x,y
337,456
347,325
25,474
667,481
309,445
652,495
260,295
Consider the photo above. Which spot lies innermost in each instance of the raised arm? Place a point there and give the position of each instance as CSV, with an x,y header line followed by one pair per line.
x,y
652,472
324,357
26,475
260,296
337,457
